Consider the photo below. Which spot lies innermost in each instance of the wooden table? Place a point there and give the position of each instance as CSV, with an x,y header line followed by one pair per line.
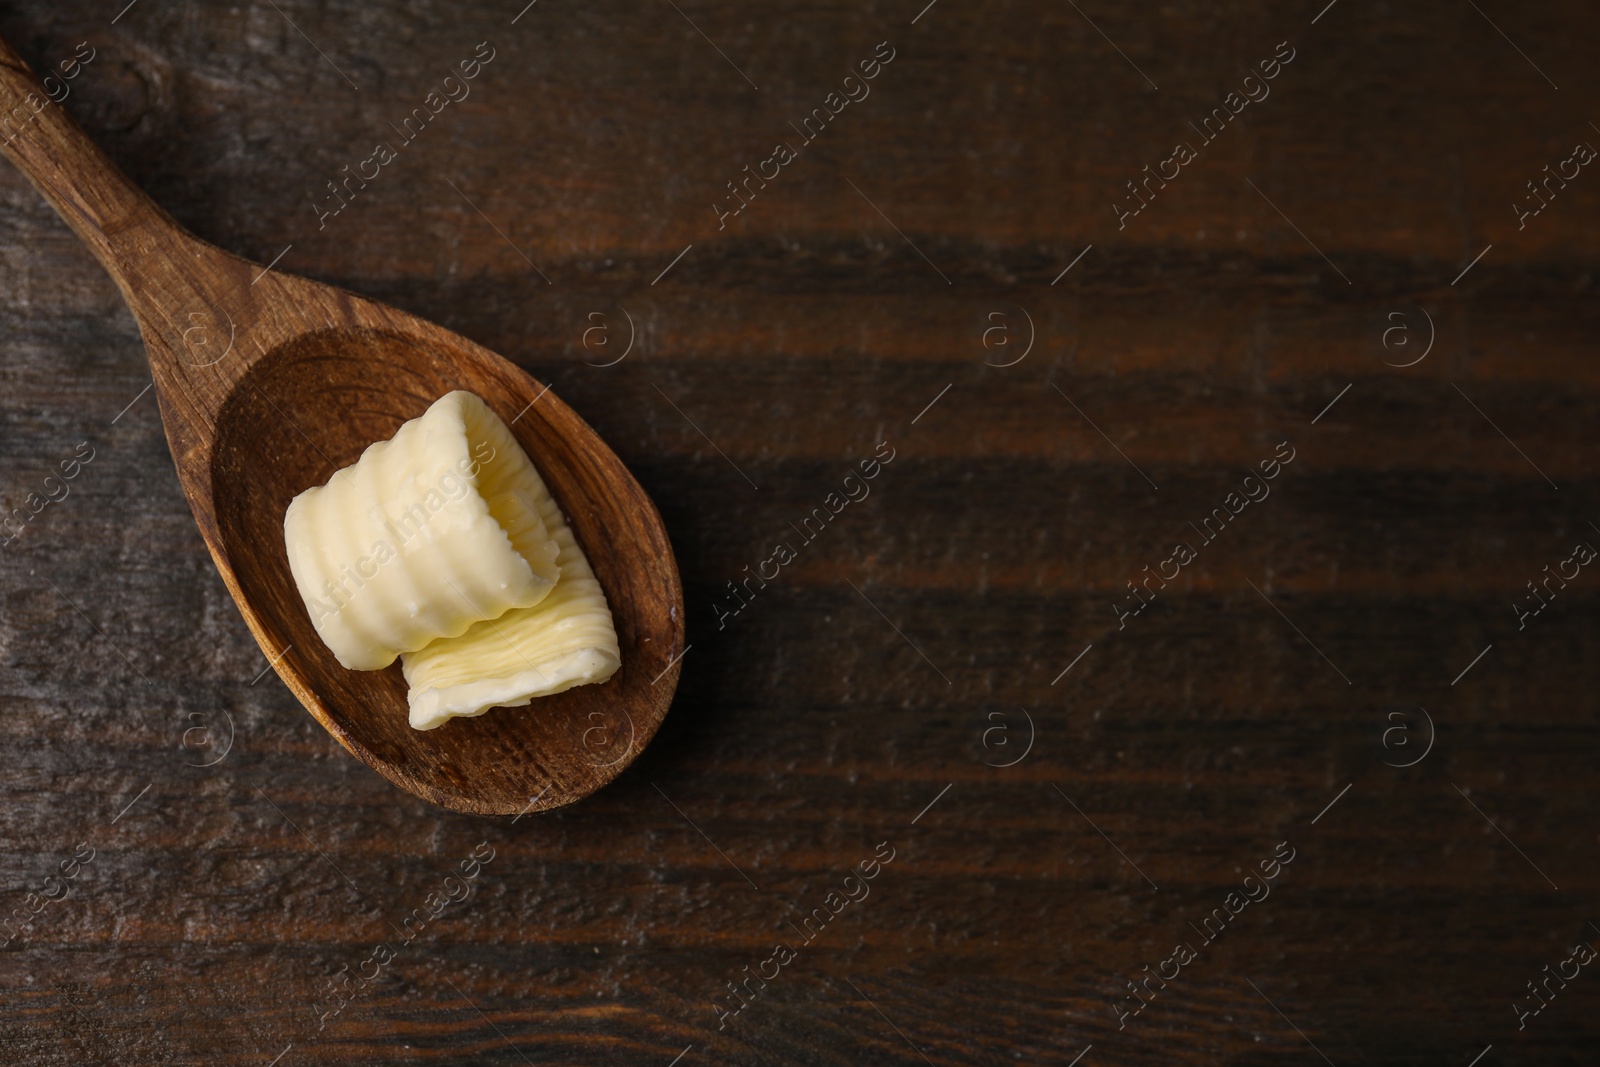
x,y
950,670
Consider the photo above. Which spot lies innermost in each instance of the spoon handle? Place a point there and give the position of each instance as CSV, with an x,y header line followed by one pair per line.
x,y
118,222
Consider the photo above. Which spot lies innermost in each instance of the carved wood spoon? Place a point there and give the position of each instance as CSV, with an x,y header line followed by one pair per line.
x,y
269,383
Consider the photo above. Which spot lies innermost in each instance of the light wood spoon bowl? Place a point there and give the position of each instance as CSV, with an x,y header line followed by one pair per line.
x,y
268,384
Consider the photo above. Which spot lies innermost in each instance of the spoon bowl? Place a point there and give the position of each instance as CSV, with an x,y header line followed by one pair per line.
x,y
267,385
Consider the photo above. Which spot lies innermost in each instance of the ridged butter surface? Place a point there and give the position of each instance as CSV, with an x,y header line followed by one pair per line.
x,y
427,534
565,640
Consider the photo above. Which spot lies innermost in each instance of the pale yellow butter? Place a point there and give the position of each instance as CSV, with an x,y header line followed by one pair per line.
x,y
565,640
443,546
426,534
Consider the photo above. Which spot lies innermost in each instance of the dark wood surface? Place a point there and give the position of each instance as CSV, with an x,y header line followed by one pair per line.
x,y
222,901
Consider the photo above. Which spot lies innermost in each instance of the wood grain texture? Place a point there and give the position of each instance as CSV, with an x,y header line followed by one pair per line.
x,y
221,907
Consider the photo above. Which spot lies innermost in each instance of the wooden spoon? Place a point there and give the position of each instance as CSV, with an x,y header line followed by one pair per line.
x,y
269,383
